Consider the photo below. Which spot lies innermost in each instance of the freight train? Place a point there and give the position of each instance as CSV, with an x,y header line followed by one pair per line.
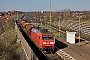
x,y
42,38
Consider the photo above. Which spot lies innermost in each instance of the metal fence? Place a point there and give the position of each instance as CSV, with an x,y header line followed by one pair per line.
x,y
27,49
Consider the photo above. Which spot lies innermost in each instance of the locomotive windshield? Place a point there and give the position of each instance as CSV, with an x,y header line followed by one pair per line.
x,y
47,37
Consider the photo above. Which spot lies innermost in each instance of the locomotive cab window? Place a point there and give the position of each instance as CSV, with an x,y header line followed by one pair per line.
x,y
47,37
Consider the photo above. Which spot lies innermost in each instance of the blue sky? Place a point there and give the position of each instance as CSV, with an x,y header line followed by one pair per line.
x,y
34,5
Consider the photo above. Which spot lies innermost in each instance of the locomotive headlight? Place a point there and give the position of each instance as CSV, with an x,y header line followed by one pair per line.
x,y
51,42
44,42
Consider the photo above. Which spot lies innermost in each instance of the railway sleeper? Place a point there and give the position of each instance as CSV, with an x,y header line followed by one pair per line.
x,y
48,50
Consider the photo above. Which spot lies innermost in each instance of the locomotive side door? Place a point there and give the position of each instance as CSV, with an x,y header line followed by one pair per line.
x,y
40,40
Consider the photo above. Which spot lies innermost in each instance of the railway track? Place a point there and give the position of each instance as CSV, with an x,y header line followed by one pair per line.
x,y
59,55
52,56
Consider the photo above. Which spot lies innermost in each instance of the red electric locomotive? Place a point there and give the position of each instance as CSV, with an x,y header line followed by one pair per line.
x,y
42,38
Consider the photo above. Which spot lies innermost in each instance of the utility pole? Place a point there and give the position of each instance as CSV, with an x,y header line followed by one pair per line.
x,y
50,15
59,25
45,21
79,31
